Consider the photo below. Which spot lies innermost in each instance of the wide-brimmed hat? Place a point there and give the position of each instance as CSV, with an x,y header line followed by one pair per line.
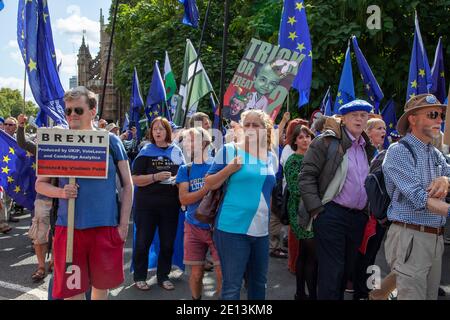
x,y
416,103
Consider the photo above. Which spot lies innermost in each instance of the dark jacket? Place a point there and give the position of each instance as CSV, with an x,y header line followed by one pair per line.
x,y
316,172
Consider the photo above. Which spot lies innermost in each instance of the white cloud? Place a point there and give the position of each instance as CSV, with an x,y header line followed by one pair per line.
x,y
16,83
73,27
14,52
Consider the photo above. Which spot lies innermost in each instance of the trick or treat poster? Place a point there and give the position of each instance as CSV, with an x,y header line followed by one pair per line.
x,y
262,80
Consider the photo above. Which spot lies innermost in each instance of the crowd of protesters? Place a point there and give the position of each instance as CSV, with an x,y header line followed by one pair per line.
x,y
294,190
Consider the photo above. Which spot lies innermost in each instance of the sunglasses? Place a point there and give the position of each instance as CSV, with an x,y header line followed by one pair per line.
x,y
10,124
78,110
434,114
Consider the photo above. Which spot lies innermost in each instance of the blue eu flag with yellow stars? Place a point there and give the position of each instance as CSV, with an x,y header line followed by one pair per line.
x,y
2,5
35,39
390,118
419,80
156,98
326,104
371,86
294,35
438,74
18,171
190,17
346,90
136,103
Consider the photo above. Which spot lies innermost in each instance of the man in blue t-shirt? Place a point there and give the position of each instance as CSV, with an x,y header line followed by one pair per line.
x,y
197,235
99,233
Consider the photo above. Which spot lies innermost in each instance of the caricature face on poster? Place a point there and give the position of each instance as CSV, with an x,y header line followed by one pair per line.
x,y
262,80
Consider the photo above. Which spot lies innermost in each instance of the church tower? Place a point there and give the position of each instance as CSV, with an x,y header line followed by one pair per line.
x,y
84,62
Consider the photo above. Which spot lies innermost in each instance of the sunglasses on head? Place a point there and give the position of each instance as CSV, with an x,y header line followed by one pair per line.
x,y
434,114
78,110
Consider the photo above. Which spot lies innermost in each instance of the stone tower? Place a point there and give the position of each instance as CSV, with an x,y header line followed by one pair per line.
x,y
91,73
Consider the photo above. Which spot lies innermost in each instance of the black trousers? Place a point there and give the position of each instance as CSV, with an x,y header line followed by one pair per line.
x,y
338,232
363,261
165,218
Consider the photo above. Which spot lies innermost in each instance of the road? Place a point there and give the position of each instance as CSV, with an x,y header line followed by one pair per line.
x,y
17,263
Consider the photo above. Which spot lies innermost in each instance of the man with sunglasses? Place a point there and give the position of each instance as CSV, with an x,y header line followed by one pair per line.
x,y
10,126
416,176
101,226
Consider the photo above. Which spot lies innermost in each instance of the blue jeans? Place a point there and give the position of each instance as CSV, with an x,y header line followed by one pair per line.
x,y
242,255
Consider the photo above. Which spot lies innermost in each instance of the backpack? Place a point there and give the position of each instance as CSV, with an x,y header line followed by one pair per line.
x,y
377,195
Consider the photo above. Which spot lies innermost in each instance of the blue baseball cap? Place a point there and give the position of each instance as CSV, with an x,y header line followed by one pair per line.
x,y
356,105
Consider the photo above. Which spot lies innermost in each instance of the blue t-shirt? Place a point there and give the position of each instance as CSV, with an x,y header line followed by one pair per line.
x,y
96,204
196,179
246,205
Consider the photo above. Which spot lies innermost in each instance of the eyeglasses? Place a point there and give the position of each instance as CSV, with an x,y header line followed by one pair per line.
x,y
78,110
434,114
10,124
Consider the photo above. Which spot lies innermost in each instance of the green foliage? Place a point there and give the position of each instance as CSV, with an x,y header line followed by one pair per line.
x,y
11,104
147,28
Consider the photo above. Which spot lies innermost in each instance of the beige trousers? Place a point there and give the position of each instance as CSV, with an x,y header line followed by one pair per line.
x,y
275,238
416,259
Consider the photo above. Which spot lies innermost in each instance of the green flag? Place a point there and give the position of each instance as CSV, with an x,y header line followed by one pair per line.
x,y
169,79
201,85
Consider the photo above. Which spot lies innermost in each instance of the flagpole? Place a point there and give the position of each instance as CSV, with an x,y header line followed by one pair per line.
x,y
24,89
447,121
224,60
108,60
196,64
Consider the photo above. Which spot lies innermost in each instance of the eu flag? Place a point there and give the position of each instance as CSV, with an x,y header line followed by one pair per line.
x,y
326,104
34,36
136,103
294,35
156,97
390,119
190,17
438,73
346,90
419,80
371,86
18,171
2,5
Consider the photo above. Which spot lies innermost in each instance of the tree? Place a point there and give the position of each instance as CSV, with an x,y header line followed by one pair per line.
x,y
11,104
146,29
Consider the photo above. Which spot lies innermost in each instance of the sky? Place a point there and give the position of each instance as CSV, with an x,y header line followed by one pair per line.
x,y
69,18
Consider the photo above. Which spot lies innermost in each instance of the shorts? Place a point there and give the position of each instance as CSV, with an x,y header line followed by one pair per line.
x,y
97,261
40,224
196,244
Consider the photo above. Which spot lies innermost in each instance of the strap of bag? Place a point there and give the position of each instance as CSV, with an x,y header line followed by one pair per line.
x,y
408,146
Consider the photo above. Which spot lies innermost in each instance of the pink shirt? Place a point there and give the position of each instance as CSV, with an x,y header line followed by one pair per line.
x,y
353,194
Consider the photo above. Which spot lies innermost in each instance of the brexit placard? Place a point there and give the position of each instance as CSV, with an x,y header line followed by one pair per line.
x,y
72,153
262,80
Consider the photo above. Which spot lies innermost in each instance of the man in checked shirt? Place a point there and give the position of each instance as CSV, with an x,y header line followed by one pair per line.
x,y
416,177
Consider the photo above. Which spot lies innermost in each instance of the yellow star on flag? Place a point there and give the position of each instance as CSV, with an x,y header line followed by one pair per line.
x,y
310,54
34,166
292,35
341,101
291,20
29,155
391,125
372,98
156,113
414,84
45,17
5,170
6,159
11,150
412,95
32,65
299,6
301,46
442,74
368,86
339,94
10,179
422,72
17,189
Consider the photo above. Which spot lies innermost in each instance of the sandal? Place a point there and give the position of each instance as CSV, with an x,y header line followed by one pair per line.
x,y
38,275
142,285
277,253
167,285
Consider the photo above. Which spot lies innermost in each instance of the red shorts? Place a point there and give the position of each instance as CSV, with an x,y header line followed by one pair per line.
x,y
97,261
196,244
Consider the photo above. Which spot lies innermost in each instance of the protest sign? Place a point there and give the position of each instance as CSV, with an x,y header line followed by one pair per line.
x,y
262,80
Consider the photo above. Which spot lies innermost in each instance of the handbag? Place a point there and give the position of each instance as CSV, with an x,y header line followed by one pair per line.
x,y
209,206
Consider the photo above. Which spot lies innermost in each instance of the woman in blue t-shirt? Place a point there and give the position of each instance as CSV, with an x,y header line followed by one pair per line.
x,y
242,225
156,202
197,236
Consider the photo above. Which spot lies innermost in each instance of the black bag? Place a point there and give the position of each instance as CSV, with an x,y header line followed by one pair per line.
x,y
209,206
280,201
377,194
